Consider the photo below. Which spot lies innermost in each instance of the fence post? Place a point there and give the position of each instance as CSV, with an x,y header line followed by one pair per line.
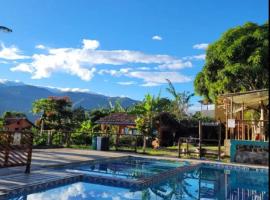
x,y
187,153
135,143
219,139
179,148
200,139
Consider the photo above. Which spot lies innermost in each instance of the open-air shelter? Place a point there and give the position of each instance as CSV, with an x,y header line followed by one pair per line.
x,y
231,109
123,122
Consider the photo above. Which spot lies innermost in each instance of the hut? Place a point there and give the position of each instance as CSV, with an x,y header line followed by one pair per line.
x,y
123,122
17,124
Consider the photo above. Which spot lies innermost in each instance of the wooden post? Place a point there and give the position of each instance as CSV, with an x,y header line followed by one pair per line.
x,y
219,139
187,147
200,139
243,126
135,144
29,155
179,148
238,130
232,129
226,131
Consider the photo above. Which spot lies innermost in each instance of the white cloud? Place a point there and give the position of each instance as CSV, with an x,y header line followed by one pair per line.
x,y
73,191
200,46
144,68
40,46
82,62
126,83
68,89
156,37
176,65
90,44
114,72
11,53
196,57
22,68
158,78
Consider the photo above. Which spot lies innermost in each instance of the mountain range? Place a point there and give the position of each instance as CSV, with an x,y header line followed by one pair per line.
x,y
17,96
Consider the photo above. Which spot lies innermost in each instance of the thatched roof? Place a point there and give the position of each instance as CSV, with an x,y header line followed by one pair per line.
x,y
118,119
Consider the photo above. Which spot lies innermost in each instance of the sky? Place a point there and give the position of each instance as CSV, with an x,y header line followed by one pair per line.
x,y
116,47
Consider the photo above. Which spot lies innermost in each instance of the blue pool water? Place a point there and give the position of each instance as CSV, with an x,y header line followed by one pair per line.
x,y
203,183
128,168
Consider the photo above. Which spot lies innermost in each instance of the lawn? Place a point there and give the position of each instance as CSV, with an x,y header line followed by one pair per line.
x,y
165,151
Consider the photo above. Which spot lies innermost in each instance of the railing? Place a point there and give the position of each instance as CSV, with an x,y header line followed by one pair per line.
x,y
248,130
124,141
16,149
200,151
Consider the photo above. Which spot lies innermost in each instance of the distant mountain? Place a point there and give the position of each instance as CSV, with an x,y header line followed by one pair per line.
x,y
17,96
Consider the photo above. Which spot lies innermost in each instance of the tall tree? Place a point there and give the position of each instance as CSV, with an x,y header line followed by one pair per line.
x,y
56,112
237,62
181,101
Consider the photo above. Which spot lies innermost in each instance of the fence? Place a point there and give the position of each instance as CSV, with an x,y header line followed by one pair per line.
x,y
248,130
16,149
199,141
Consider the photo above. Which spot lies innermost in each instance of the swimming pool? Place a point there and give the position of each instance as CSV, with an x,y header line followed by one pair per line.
x,y
128,168
205,182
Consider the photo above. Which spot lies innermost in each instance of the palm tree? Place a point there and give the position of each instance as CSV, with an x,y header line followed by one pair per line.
x,y
181,101
5,29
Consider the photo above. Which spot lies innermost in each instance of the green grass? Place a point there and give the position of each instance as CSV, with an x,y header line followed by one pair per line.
x,y
164,151
81,147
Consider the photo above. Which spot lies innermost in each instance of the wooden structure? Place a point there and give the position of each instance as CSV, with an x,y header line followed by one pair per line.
x,y
231,109
124,122
16,149
199,141
17,124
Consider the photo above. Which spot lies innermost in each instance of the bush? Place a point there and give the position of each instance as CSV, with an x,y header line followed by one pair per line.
x,y
81,138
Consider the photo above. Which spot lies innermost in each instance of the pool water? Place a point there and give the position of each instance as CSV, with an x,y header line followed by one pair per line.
x,y
203,183
128,168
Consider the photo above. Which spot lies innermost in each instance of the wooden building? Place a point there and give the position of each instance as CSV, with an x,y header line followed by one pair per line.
x,y
123,123
17,124
231,110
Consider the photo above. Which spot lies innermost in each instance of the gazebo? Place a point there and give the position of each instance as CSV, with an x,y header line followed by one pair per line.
x,y
124,122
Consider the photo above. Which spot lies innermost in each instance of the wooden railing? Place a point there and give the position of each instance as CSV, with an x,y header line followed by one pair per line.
x,y
248,130
16,149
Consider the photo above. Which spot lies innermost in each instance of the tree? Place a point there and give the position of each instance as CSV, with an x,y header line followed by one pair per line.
x,y
181,101
117,107
5,29
148,110
237,62
13,114
55,112
78,116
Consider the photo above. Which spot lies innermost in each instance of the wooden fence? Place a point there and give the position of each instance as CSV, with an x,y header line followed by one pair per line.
x,y
16,149
199,141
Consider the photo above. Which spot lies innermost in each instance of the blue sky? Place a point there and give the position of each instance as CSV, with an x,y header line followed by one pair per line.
x,y
115,47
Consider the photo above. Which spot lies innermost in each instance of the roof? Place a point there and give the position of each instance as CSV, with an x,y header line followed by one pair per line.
x,y
250,99
9,121
118,119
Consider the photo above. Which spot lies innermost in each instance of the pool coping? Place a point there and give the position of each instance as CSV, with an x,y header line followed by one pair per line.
x,y
75,177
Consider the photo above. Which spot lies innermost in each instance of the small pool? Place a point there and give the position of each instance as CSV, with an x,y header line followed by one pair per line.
x,y
128,168
206,182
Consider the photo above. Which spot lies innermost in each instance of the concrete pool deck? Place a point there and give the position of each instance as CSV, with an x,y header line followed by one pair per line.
x,y
44,159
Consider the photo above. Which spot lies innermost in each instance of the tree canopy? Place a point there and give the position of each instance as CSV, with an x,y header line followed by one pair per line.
x,y
237,62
